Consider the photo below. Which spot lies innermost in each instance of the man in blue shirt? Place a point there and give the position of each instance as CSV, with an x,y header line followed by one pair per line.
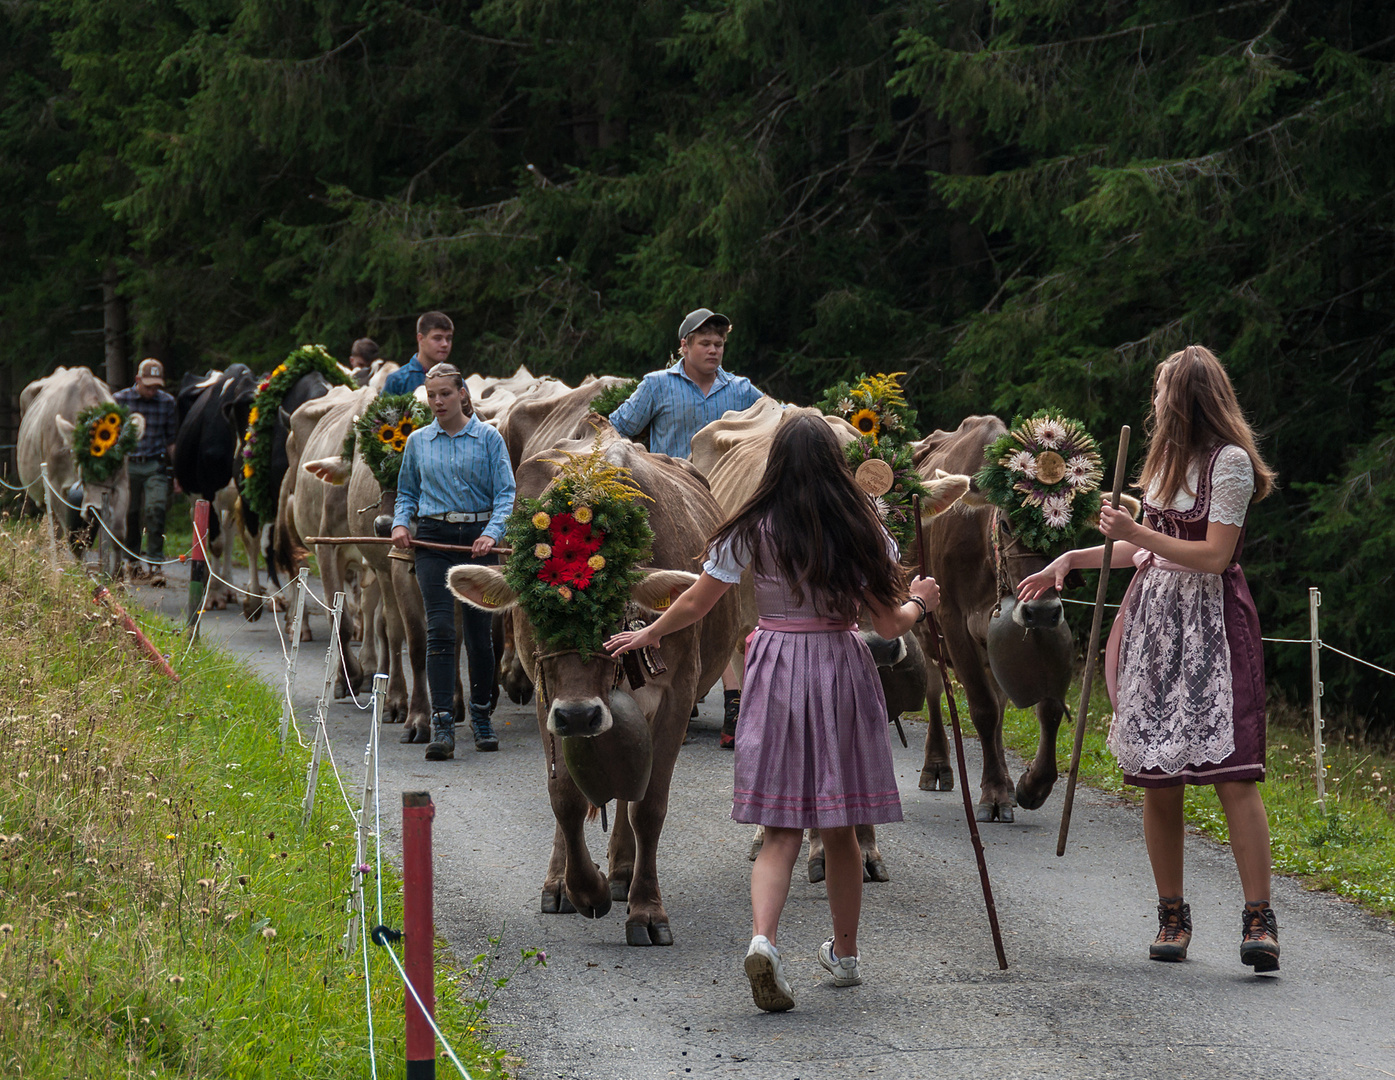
x,y
675,403
456,479
435,332
149,464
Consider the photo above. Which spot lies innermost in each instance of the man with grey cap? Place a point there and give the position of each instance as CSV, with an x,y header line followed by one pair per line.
x,y
149,464
674,404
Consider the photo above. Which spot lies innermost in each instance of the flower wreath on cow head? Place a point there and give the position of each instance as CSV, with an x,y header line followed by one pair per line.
x,y
381,434
1044,474
103,436
576,555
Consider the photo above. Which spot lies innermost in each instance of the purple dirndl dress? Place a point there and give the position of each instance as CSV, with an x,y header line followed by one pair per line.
x,y
1184,664
812,747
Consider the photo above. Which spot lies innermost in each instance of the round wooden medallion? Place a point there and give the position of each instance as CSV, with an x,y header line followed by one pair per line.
x,y
1051,467
874,476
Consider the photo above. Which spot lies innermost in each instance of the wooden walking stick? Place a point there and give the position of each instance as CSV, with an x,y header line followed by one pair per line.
x,y
389,540
1120,467
937,647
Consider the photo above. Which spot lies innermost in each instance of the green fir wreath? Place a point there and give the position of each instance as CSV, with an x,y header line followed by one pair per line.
x,y
612,397
381,433
258,491
104,435
896,507
575,552
875,405
1045,475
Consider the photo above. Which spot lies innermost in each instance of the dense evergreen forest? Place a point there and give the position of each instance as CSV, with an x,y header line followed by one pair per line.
x,y
1017,203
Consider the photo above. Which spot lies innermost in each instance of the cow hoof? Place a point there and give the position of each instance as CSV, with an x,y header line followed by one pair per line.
x,y
816,870
637,934
648,934
987,811
874,870
1030,798
937,778
660,934
556,902
619,890
414,734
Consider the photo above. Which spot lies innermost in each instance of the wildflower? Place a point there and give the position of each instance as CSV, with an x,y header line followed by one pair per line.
x,y
1055,511
845,405
169,836
268,933
1050,433
1021,461
6,929
1082,472
363,868
206,883
176,980
867,423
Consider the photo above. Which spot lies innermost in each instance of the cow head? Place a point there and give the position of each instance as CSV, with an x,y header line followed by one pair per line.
x,y
577,691
114,492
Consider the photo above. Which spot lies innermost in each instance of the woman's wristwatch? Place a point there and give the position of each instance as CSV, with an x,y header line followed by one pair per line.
x,y
924,611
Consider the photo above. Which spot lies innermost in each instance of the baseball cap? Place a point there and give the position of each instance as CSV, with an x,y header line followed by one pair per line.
x,y
697,318
151,372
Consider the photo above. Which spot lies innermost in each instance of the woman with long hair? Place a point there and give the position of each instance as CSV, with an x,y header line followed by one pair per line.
x,y
812,748
1184,665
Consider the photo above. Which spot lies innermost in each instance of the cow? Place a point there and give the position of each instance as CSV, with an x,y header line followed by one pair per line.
x,y
976,570
107,500
61,395
579,697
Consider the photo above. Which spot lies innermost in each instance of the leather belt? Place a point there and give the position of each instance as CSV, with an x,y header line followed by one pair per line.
x,y
455,518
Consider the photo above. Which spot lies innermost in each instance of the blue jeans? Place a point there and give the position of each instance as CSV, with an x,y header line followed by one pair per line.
x,y
431,569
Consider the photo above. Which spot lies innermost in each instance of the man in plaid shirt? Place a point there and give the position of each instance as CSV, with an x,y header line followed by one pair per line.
x,y
150,464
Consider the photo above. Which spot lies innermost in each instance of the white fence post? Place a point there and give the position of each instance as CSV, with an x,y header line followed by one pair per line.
x,y
1314,647
365,831
312,771
302,583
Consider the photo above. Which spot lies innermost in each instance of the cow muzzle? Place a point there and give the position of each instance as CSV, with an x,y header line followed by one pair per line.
x,y
885,653
1043,613
579,718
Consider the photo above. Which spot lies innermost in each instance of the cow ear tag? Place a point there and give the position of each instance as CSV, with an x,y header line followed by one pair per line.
x,y
663,602
874,476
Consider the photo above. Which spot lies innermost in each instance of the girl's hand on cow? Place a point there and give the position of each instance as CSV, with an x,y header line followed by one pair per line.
x,y
627,640
1119,524
928,590
401,537
1053,577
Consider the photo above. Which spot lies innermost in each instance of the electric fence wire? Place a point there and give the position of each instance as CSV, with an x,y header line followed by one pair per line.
x,y
107,529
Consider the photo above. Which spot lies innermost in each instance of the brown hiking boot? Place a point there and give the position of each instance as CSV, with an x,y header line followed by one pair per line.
x,y
1259,938
1174,930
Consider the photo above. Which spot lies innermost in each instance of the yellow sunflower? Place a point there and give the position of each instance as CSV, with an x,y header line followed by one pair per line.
x,y
97,451
541,520
252,416
104,436
406,426
866,422
387,433
112,419
398,444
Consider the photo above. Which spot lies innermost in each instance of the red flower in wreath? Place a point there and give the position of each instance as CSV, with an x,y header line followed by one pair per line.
x,y
579,575
567,530
572,555
552,572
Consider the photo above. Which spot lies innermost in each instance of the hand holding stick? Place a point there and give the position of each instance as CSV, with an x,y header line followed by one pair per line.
x,y
937,648
388,540
1120,467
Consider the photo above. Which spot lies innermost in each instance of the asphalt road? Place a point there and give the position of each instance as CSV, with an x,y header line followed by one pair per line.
x,y
1080,998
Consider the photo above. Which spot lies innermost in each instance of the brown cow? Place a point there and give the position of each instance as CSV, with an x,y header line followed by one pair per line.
x,y
682,515
962,560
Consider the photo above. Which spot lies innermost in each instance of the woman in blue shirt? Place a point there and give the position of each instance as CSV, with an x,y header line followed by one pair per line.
x,y
457,480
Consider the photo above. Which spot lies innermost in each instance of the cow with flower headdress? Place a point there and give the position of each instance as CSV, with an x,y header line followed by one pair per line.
x,y
1035,489
604,534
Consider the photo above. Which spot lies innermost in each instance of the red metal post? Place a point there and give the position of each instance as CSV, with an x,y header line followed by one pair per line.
x,y
198,570
419,931
101,595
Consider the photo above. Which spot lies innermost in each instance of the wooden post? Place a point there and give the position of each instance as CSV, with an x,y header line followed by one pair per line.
x,y
287,707
312,771
418,929
198,565
1314,647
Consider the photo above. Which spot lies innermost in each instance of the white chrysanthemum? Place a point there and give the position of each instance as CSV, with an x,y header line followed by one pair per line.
x,y
1082,472
1022,462
1055,510
845,405
1049,433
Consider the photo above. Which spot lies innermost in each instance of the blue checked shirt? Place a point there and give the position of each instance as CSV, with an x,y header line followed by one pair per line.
x,y
161,420
467,472
406,378
674,409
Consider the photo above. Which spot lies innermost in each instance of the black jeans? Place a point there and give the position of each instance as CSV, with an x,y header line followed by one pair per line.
x,y
431,569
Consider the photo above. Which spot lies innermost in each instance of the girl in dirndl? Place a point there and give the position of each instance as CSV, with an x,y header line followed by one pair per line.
x,y
1184,664
812,748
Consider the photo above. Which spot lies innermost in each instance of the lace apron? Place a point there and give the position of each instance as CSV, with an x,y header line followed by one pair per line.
x,y
1184,664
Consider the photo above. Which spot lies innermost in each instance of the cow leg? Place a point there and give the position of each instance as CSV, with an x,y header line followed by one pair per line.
x,y
370,612
586,887
515,680
873,868
996,798
1036,783
255,600
413,614
332,573
936,773
554,896
396,706
620,857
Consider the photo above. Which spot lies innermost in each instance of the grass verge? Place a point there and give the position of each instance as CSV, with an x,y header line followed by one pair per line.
x,y
161,912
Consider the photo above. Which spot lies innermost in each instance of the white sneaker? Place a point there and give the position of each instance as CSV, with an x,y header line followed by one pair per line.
x,y
768,986
842,968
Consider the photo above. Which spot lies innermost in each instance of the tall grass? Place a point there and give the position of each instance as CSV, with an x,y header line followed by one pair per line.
x,y
161,910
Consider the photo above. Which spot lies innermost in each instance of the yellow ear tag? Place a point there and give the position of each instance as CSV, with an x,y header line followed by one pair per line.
x,y
489,600
662,603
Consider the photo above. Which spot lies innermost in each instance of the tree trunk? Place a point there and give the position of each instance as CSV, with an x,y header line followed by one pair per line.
x,y
118,372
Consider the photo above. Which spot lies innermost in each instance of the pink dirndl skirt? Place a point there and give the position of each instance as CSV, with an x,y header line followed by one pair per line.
x,y
813,749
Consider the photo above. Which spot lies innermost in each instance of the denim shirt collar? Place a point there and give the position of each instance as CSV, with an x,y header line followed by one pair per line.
x,y
473,428
718,381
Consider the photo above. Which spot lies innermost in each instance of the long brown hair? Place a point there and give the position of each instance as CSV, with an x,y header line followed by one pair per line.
x,y
809,523
1198,411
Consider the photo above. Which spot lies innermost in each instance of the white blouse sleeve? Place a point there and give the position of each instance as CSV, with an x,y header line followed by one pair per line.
x,y
1232,487
726,561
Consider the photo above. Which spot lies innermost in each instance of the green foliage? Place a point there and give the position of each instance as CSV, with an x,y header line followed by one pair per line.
x,y
875,405
103,436
382,433
896,507
257,488
612,397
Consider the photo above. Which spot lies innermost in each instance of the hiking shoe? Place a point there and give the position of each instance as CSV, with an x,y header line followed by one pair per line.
x,y
769,989
1174,931
442,744
1259,938
482,729
842,968
731,714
